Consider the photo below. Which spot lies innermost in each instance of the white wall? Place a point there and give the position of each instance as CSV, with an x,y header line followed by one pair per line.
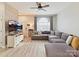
x,y
10,14
26,19
68,19
6,13
2,25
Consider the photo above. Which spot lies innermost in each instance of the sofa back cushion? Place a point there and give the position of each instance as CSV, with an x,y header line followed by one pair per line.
x,y
58,34
64,36
46,32
75,43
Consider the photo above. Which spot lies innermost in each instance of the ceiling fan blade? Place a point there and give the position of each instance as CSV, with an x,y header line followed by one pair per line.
x,y
34,8
45,6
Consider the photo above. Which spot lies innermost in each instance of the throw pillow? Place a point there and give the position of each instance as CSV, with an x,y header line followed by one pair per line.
x,y
75,43
69,39
64,36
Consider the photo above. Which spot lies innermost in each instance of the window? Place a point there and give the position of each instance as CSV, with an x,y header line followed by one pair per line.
x,y
43,24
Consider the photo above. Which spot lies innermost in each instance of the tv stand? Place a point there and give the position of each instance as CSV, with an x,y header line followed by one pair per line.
x,y
14,40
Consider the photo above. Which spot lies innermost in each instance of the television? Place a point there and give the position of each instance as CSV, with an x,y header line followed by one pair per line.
x,y
18,27
14,26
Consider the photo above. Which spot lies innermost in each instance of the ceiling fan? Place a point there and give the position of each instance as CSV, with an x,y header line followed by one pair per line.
x,y
40,6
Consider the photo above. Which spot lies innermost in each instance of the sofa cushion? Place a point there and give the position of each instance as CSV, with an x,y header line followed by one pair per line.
x,y
46,32
75,43
64,36
53,37
57,41
69,40
58,34
57,50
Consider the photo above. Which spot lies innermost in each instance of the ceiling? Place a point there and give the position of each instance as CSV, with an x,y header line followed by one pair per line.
x,y
25,7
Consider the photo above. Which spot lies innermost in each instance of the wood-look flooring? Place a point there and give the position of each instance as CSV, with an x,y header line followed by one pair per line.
x,y
34,48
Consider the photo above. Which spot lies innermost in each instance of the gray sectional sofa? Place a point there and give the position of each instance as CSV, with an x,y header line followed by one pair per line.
x,y
44,35
52,36
58,47
58,37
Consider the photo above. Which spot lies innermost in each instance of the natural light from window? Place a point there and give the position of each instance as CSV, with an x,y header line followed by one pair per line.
x,y
43,24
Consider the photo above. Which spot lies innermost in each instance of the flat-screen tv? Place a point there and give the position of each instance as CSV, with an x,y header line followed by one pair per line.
x,y
14,26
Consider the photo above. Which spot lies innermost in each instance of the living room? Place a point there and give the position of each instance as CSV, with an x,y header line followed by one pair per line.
x,y
42,27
